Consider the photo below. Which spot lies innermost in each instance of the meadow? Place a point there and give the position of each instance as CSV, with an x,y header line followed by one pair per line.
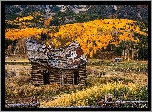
x,y
125,80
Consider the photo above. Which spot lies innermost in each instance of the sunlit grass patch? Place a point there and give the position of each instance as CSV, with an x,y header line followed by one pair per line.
x,y
90,96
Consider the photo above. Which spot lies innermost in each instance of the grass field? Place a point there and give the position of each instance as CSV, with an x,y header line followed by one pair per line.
x,y
16,59
125,80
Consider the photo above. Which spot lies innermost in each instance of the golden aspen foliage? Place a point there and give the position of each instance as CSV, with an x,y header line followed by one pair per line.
x,y
97,34
23,18
92,35
21,33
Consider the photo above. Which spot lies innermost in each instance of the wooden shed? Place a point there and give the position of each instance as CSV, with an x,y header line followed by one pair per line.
x,y
64,66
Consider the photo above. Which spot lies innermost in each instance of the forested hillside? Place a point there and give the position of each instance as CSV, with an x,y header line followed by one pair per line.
x,y
95,27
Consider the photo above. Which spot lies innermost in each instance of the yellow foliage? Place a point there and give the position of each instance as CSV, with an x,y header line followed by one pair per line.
x,y
21,33
80,98
99,31
23,18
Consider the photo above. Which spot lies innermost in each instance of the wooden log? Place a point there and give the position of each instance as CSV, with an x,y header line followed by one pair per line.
x,y
34,71
82,80
51,77
69,79
37,81
35,74
82,76
56,79
58,82
81,84
70,82
81,71
38,76
35,78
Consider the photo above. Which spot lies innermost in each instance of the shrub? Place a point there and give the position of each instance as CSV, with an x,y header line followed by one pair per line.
x,y
22,72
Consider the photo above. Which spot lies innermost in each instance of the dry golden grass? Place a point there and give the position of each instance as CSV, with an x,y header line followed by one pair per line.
x,y
89,96
126,86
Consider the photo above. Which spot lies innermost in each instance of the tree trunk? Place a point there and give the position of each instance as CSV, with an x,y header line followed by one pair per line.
x,y
128,55
133,52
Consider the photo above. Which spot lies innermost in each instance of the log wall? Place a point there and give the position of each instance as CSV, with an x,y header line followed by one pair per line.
x,y
82,76
59,76
37,74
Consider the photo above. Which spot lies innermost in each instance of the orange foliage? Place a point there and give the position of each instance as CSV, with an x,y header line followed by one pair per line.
x,y
92,35
97,34
21,33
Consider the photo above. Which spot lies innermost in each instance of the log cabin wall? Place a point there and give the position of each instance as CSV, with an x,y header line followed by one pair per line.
x,y
41,75
67,77
54,75
37,74
82,75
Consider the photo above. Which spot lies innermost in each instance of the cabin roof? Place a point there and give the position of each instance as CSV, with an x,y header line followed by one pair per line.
x,y
69,57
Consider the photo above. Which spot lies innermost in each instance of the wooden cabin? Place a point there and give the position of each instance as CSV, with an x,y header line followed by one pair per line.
x,y
64,66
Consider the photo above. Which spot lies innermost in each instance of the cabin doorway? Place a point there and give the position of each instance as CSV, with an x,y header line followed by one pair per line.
x,y
76,77
46,77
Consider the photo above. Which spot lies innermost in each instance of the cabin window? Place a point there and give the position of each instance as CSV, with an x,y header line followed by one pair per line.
x,y
76,77
46,78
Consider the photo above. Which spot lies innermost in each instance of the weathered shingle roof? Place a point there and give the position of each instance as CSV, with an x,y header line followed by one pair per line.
x,y
70,57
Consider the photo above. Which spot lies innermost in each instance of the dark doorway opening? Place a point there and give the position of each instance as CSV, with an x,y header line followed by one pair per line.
x,y
76,78
46,78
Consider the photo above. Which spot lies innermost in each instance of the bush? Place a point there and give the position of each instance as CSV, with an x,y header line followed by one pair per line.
x,y
22,73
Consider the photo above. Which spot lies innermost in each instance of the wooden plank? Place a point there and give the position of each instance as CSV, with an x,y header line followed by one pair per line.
x,y
39,81
82,70
36,81
40,76
82,73
83,77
